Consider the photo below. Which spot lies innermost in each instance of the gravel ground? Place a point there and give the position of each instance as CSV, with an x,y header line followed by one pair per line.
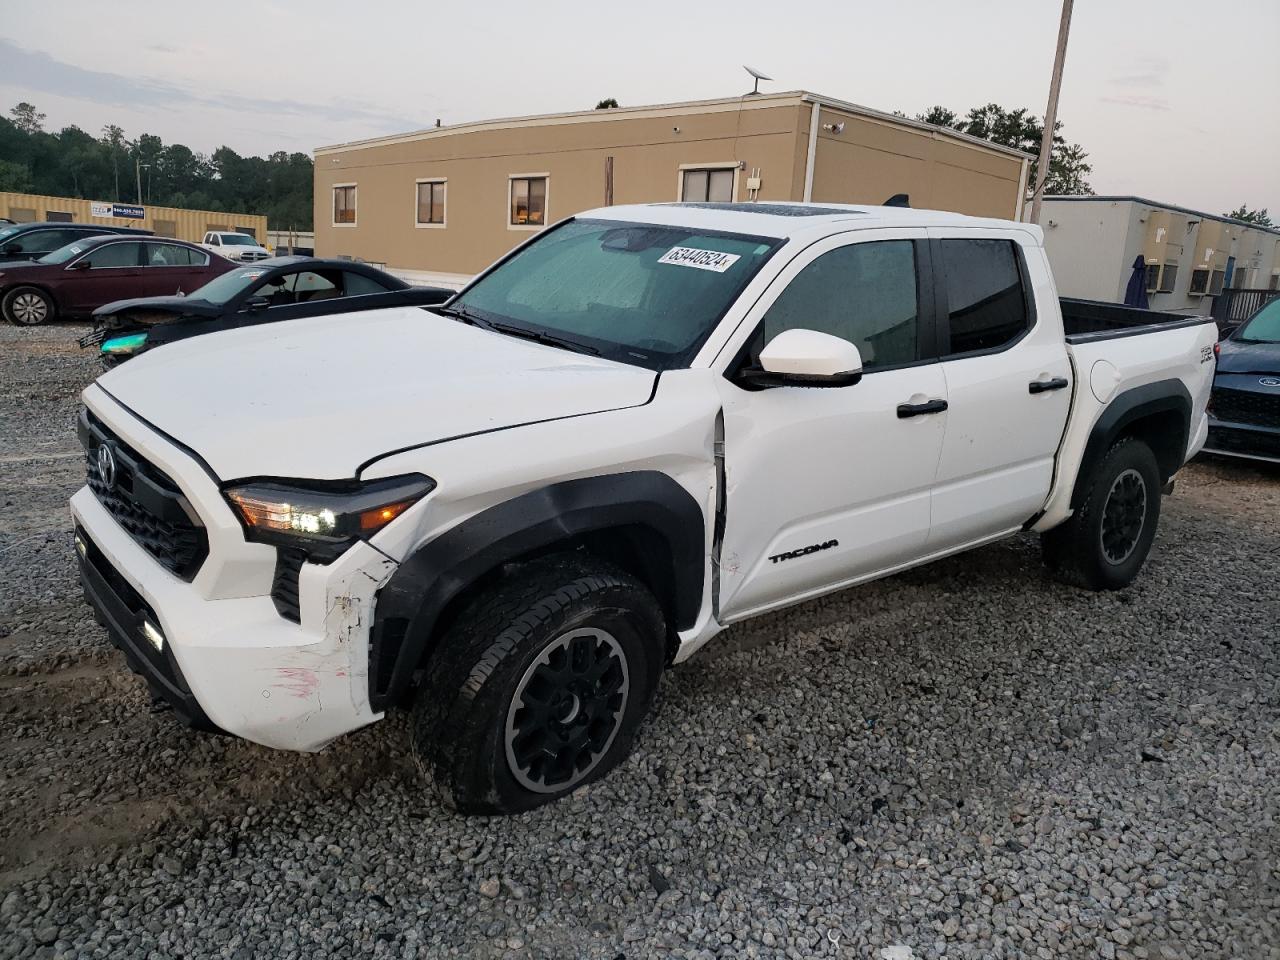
x,y
967,760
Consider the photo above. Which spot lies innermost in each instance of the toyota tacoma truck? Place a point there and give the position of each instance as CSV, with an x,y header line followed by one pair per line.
x,y
511,512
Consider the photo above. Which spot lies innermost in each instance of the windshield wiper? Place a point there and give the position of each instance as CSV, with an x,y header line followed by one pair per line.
x,y
511,330
541,336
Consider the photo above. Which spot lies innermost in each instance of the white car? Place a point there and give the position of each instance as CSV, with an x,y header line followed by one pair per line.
x,y
235,246
650,422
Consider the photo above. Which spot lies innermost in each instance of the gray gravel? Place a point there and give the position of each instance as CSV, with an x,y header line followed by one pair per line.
x,y
968,760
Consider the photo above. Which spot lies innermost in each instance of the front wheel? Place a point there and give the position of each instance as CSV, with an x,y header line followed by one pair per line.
x,y
28,307
1105,542
539,686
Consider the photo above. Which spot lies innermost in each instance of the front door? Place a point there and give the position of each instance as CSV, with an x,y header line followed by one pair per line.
x,y
1009,384
105,273
826,486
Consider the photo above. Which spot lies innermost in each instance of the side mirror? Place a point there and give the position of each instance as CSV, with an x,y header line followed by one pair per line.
x,y
257,303
80,265
806,358
12,248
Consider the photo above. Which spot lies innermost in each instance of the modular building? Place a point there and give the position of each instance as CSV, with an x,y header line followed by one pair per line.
x,y
173,222
1189,256
439,205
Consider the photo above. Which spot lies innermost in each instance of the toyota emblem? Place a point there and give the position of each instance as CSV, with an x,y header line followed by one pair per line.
x,y
1270,381
106,466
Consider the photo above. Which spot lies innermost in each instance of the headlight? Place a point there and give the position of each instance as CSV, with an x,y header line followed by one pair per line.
x,y
126,344
323,519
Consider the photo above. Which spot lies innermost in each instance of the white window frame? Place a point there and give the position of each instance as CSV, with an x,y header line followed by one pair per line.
x,y
733,165
445,212
333,206
546,203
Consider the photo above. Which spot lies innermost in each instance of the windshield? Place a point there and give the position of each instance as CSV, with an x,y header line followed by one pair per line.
x,y
635,292
228,286
238,240
63,254
1264,327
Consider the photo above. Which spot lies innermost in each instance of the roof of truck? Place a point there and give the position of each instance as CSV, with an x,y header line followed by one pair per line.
x,y
786,220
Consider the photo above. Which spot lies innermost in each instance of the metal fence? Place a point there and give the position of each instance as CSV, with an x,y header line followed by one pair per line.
x,y
1233,307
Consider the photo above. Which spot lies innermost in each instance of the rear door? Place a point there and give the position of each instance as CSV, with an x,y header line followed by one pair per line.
x,y
110,271
826,486
1009,384
168,269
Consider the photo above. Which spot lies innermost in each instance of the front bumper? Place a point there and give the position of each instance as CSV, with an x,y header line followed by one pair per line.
x,y
229,660
1250,441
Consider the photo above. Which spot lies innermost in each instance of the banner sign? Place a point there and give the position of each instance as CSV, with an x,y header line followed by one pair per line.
x,y
124,211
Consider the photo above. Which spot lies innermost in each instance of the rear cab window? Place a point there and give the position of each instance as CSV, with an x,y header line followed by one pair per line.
x,y
985,293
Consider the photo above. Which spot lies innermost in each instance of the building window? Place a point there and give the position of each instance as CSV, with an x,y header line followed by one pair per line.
x,y
1199,283
430,200
251,231
1275,282
344,204
57,216
216,228
1215,282
1240,278
528,201
165,228
22,215
707,185
1153,277
1168,277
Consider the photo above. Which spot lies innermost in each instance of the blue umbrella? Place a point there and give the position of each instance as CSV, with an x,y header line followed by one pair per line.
x,y
1135,294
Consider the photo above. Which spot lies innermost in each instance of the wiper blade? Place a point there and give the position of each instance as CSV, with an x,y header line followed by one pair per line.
x,y
465,315
541,336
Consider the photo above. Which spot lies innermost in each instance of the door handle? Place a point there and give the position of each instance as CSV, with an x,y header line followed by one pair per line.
x,y
1044,386
906,410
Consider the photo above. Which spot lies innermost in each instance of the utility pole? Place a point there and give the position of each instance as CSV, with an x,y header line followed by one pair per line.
x,y
1051,113
137,169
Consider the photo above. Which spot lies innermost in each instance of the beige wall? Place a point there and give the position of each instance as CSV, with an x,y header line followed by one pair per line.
x,y
871,160
648,153
186,224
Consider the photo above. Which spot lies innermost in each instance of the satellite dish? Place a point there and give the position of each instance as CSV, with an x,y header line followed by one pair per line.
x,y
758,77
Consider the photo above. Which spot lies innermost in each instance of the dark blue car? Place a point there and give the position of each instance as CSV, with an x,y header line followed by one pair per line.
x,y
1244,410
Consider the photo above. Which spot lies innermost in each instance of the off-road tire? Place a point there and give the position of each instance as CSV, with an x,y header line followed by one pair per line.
x,y
462,717
1077,552
28,307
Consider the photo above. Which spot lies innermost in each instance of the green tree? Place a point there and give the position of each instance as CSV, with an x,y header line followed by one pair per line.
x,y
607,104
15,177
1069,166
113,140
1259,217
26,118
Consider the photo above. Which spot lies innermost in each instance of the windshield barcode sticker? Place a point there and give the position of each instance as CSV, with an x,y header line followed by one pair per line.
x,y
701,259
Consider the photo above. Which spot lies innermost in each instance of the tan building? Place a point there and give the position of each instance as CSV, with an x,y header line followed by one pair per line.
x,y
163,221
441,204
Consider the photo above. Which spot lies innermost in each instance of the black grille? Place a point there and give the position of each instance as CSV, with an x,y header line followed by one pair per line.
x,y
1247,406
145,502
284,586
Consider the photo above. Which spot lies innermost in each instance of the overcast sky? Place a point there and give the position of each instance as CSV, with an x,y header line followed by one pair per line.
x,y
1173,101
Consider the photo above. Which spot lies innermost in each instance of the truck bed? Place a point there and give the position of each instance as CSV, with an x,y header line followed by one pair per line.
x,y
1085,321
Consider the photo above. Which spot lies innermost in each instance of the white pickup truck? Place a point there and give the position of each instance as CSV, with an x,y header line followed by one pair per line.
x,y
235,246
511,512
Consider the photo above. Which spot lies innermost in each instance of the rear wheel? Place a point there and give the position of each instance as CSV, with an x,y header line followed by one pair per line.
x,y
1105,542
28,307
539,686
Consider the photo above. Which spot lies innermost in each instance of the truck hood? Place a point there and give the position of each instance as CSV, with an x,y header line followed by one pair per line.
x,y
1238,357
317,399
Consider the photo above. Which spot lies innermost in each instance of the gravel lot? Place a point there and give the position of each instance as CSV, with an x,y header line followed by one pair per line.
x,y
968,760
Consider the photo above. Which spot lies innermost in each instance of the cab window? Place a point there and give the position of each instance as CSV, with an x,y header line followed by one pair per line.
x,y
986,301
113,255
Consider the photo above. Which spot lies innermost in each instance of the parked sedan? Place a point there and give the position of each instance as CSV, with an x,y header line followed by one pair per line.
x,y
80,277
284,288
1244,409
30,241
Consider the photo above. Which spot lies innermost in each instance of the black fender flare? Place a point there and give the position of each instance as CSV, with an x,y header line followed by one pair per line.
x,y
1125,409
408,606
